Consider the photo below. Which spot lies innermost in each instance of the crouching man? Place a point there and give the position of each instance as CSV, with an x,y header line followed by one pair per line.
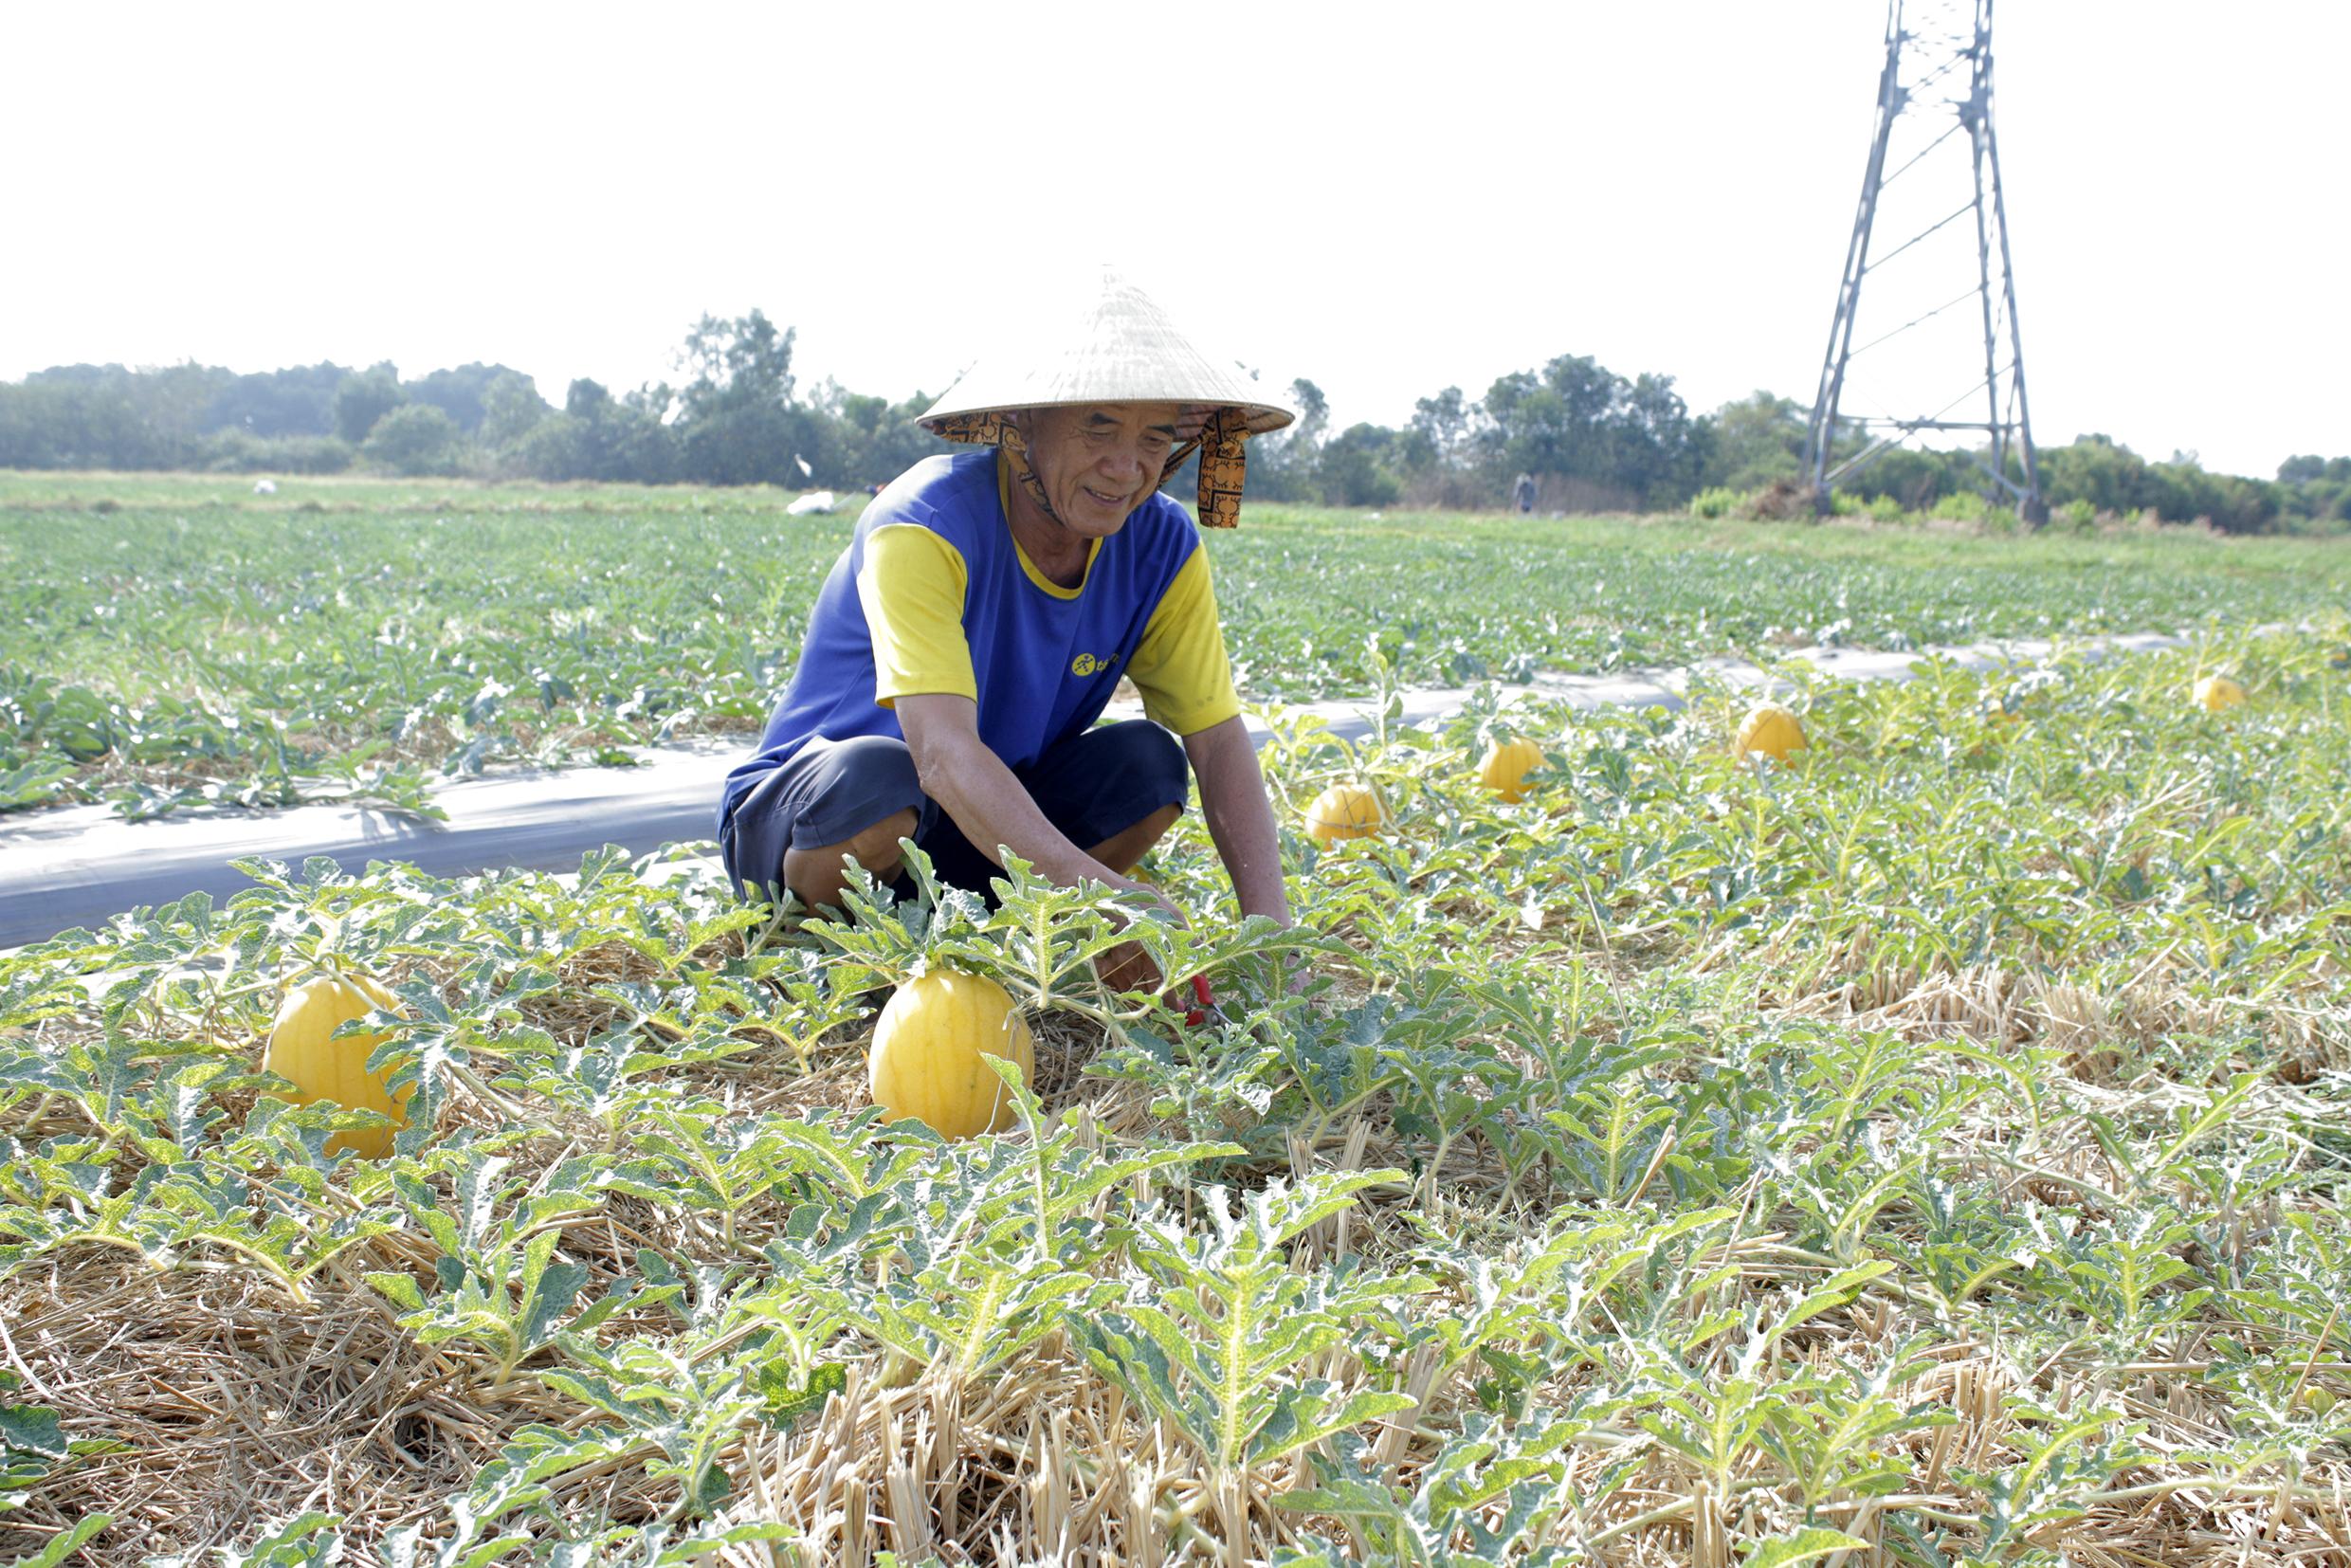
x,y
965,643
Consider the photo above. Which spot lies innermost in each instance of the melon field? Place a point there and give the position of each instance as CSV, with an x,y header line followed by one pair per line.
x,y
1930,1150
172,641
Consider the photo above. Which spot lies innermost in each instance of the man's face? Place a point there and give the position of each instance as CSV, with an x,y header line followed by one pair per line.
x,y
1098,460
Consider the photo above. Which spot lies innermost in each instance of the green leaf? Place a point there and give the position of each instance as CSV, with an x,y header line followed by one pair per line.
x,y
788,1396
61,1547
34,1429
1804,1545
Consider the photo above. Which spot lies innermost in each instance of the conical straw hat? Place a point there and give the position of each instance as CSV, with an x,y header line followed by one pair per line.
x,y
1122,348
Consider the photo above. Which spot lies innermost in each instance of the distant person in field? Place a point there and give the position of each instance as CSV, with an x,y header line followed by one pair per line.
x,y
1523,493
984,611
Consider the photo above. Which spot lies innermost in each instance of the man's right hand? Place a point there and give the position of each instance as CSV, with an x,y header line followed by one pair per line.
x,y
1128,966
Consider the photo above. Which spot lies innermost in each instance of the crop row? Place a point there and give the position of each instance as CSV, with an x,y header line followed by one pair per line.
x,y
349,641
1934,1143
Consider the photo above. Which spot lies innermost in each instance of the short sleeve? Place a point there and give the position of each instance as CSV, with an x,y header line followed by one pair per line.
x,y
1179,666
912,583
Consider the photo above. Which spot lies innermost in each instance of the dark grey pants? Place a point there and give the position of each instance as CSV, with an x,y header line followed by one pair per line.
x,y
1092,787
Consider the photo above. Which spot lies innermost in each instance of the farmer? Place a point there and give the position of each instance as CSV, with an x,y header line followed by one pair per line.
x,y
985,610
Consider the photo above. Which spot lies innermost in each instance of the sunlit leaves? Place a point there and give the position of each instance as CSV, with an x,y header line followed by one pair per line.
x,y
1899,1140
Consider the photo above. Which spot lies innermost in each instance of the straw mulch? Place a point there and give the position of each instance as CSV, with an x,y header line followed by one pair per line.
x,y
236,1406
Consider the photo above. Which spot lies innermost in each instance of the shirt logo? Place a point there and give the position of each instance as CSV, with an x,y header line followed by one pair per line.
x,y
1086,663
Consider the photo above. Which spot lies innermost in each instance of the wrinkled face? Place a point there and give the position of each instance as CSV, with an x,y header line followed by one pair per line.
x,y
1100,461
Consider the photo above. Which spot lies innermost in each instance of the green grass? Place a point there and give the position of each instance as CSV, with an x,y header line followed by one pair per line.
x,y
1936,1144
171,640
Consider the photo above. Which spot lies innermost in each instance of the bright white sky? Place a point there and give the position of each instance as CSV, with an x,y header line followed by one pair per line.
x,y
1387,200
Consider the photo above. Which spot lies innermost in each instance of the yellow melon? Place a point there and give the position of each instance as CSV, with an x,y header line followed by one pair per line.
x,y
1344,810
1771,729
301,1049
929,1045
1505,765
2215,692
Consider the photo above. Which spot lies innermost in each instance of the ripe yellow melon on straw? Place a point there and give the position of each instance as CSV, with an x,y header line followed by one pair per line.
x,y
930,1046
1771,729
2215,692
1344,810
1505,765
302,1049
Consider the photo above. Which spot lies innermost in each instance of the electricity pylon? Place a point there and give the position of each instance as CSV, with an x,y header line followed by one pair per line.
x,y
1935,85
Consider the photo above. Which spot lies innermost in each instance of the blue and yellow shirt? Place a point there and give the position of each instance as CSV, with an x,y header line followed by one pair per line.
x,y
933,595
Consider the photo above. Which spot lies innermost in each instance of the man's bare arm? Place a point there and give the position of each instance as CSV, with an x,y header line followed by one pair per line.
x,y
983,799
1240,819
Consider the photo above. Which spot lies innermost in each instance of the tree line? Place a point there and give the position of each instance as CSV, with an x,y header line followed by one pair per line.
x,y
1591,440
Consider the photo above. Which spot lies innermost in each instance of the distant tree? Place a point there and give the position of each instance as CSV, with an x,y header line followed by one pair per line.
x,y
1656,450
28,428
2185,491
296,401
746,445
636,444
102,416
416,438
1438,453
364,398
174,402
551,449
739,362
1915,478
1314,411
1755,440
1446,426
1559,422
234,451
2316,489
462,392
2112,477
511,408
2097,469
1550,424
584,399
1356,467
1282,464
1629,442
2307,470
735,418
866,440
599,436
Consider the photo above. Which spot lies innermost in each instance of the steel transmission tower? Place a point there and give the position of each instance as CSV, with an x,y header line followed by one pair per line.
x,y
1936,87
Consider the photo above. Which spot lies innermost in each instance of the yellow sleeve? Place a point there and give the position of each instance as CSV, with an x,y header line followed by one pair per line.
x,y
912,583
1179,666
